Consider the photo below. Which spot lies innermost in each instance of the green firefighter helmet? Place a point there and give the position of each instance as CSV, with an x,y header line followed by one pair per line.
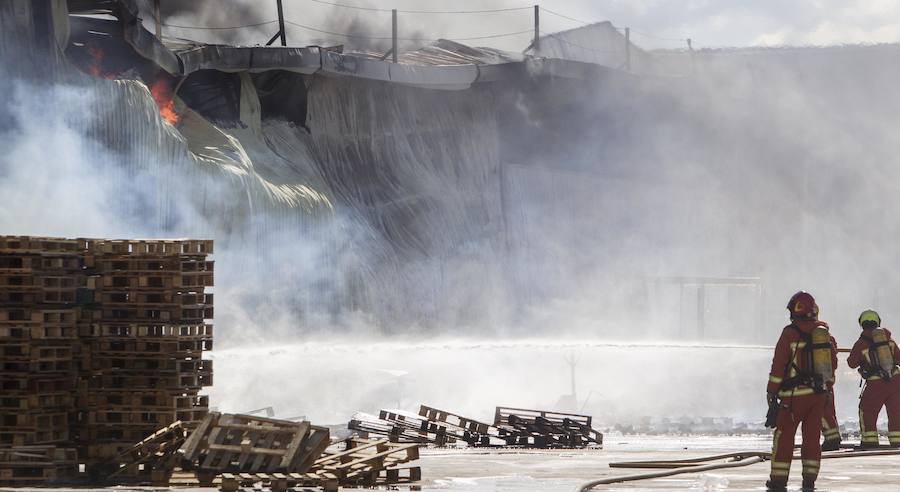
x,y
869,318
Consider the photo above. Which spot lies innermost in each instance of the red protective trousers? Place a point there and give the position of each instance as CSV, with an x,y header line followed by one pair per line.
x,y
805,411
830,428
880,393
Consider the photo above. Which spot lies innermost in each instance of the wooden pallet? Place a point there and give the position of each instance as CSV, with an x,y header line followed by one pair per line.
x,y
149,247
32,437
35,402
34,465
154,459
140,264
182,282
28,369
186,382
149,349
245,443
174,331
35,384
545,429
362,462
35,352
371,426
36,331
39,245
38,420
277,482
151,314
436,434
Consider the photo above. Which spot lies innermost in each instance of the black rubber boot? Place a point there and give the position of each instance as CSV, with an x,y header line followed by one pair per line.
x,y
868,445
831,445
776,486
808,486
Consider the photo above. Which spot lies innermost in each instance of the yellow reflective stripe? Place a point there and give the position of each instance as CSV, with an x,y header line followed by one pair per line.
x,y
780,473
775,379
811,462
829,433
796,345
798,391
894,434
775,436
781,465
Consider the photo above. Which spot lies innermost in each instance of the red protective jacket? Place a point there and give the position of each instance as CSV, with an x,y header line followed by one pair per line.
x,y
786,350
860,350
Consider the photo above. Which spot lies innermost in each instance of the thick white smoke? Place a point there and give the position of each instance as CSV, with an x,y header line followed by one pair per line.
x,y
773,165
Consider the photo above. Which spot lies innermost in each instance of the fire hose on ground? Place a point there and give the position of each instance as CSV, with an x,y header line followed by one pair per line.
x,y
696,465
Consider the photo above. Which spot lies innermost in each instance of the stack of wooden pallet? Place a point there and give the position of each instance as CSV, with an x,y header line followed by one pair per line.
x,y
40,281
511,427
101,342
144,345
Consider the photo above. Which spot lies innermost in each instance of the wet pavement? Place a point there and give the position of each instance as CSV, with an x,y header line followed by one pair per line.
x,y
552,471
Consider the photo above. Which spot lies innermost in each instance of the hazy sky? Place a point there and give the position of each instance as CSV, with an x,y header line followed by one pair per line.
x,y
710,23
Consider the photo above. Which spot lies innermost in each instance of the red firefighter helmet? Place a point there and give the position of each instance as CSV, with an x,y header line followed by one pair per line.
x,y
802,305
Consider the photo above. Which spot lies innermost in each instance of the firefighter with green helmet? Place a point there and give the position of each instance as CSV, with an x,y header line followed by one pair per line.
x,y
876,355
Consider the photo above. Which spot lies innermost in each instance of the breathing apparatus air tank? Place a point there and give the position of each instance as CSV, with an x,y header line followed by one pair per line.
x,y
883,357
821,358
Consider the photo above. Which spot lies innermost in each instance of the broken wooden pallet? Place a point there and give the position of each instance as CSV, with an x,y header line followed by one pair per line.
x,y
153,460
366,463
246,443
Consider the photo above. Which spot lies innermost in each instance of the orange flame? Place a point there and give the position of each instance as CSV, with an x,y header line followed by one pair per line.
x,y
95,68
162,95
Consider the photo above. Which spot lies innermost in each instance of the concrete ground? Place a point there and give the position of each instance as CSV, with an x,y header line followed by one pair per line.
x,y
548,471
472,470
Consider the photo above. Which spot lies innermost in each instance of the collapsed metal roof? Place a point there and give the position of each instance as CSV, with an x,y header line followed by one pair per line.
x,y
444,64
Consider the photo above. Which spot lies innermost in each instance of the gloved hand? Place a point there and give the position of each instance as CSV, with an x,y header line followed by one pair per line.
x,y
772,412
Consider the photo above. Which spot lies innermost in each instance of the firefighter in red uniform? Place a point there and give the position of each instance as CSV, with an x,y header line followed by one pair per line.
x,y
830,428
876,355
801,377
